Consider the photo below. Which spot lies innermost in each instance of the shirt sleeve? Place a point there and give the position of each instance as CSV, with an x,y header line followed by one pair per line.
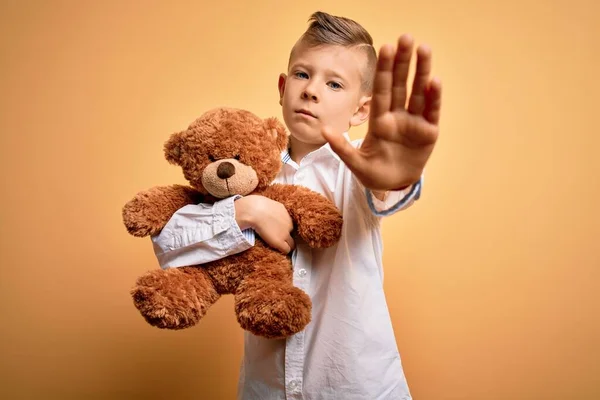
x,y
395,200
200,233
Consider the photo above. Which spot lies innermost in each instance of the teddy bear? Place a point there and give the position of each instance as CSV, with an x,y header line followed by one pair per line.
x,y
227,152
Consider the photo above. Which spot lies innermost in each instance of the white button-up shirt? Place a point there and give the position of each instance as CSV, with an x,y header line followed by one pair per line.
x,y
348,350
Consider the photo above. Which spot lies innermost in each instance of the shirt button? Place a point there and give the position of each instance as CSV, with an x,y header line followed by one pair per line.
x,y
302,272
294,384
300,176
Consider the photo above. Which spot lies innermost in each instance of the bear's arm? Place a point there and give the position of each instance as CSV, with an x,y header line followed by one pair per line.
x,y
150,210
317,219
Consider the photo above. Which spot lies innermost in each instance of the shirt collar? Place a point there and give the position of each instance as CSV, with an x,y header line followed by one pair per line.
x,y
287,159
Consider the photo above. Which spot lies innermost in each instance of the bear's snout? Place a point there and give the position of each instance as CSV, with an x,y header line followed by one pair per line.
x,y
225,170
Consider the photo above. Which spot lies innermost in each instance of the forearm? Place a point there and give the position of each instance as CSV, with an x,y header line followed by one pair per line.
x,y
197,234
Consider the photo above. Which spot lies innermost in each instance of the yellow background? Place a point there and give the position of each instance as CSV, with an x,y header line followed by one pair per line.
x,y
492,278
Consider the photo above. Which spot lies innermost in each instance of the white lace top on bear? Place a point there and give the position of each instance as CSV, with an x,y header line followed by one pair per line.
x,y
348,351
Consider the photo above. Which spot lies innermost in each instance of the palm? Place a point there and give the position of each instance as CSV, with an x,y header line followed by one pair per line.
x,y
400,137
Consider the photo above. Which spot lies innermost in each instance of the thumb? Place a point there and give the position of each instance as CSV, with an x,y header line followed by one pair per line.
x,y
343,148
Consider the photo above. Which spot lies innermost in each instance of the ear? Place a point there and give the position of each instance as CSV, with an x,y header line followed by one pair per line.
x,y
174,148
277,132
362,111
281,86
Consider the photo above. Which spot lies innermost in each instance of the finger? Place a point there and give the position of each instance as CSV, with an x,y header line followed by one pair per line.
x,y
433,101
349,155
284,247
416,104
382,84
290,242
401,67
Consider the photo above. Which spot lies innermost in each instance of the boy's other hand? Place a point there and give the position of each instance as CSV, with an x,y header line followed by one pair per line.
x,y
269,219
401,136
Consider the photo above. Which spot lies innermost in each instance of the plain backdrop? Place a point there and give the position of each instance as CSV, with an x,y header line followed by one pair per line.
x,y
492,278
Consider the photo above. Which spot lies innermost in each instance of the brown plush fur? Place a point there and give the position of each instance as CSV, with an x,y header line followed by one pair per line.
x,y
223,153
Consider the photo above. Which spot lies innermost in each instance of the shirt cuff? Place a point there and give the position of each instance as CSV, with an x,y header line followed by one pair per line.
x,y
201,233
395,200
224,218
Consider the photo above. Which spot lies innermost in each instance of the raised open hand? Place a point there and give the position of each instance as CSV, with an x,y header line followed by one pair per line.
x,y
401,136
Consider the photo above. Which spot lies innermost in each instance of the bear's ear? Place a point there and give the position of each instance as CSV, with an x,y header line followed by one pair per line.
x,y
173,148
277,132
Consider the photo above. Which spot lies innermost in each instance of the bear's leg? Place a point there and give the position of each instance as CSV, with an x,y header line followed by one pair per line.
x,y
268,305
175,298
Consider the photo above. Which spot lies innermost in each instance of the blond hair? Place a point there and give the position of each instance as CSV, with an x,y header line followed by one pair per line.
x,y
327,29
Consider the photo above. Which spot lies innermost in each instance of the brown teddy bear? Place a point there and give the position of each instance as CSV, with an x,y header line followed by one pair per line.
x,y
223,153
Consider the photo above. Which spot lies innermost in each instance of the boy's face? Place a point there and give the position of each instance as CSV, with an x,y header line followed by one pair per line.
x,y
323,88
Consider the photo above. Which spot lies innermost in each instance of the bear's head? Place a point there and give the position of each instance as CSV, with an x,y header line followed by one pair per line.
x,y
228,151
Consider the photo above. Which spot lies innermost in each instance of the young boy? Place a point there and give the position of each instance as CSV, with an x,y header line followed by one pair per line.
x,y
334,81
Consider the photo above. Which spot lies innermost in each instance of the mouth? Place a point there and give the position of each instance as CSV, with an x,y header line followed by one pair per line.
x,y
306,112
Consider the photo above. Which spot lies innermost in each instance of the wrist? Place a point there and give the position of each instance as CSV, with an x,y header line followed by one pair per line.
x,y
243,214
401,188
409,183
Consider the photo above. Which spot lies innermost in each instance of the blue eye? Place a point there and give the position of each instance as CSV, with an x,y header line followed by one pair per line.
x,y
334,85
302,75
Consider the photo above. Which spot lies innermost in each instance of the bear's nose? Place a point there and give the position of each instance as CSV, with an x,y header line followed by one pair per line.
x,y
225,170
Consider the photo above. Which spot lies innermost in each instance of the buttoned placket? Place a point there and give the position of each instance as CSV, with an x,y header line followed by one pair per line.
x,y
294,347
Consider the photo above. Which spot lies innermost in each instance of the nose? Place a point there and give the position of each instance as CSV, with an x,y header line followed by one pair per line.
x,y
309,93
225,170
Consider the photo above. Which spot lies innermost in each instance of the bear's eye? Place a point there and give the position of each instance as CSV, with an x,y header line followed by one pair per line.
x,y
212,158
237,157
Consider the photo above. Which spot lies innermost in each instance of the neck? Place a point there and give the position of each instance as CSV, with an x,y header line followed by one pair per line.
x,y
298,149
